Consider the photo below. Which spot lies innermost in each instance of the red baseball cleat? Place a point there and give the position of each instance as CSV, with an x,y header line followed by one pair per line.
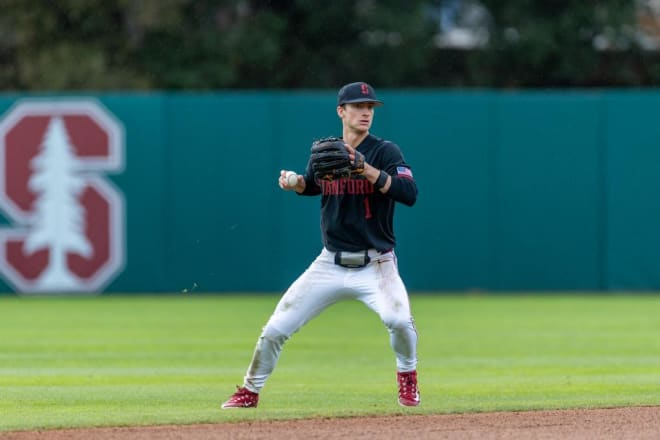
x,y
408,392
242,398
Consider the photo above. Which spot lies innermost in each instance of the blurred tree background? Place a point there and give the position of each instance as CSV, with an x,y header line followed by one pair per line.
x,y
289,44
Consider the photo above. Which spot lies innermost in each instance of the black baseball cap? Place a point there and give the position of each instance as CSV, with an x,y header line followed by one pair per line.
x,y
357,92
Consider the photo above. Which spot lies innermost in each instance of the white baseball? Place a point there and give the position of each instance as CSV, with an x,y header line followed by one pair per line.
x,y
291,178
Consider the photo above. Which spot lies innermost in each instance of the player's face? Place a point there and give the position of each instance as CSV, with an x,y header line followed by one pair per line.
x,y
358,117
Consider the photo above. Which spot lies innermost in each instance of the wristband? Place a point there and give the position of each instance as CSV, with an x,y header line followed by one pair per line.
x,y
382,180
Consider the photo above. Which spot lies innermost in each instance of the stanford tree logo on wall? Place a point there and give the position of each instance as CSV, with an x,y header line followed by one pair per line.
x,y
66,231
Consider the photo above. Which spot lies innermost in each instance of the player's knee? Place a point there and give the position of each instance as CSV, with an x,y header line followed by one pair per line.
x,y
397,322
273,334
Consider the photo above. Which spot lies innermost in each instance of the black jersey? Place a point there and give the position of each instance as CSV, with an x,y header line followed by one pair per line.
x,y
356,216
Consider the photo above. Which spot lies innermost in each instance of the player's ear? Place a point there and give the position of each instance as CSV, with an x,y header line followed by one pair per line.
x,y
340,111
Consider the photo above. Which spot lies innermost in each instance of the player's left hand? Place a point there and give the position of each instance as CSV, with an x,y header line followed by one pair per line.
x,y
356,158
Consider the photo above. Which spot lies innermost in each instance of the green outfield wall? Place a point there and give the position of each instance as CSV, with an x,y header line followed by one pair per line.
x,y
517,190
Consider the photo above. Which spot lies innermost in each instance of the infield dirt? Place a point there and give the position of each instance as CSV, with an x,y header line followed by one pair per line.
x,y
616,423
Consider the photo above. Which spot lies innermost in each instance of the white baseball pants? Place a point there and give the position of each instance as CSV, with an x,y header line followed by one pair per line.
x,y
378,285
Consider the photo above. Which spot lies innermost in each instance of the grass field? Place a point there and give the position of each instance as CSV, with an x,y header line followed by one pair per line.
x,y
121,360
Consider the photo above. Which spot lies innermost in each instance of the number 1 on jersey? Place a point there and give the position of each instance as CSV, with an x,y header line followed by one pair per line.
x,y
367,208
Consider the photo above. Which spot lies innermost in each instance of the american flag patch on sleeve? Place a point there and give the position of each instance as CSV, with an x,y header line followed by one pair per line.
x,y
404,172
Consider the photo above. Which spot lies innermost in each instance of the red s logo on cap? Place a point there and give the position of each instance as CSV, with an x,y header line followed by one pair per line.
x,y
365,89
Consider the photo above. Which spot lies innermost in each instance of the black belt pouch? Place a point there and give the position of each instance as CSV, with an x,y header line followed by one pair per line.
x,y
352,259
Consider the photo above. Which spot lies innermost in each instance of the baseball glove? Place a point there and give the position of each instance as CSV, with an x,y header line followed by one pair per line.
x,y
330,159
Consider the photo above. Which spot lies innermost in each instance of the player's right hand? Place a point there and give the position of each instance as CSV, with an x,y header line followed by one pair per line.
x,y
298,187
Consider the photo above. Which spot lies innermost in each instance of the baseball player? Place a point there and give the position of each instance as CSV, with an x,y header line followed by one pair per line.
x,y
357,260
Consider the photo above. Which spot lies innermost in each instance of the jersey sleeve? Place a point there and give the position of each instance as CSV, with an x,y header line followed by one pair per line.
x,y
404,187
312,188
